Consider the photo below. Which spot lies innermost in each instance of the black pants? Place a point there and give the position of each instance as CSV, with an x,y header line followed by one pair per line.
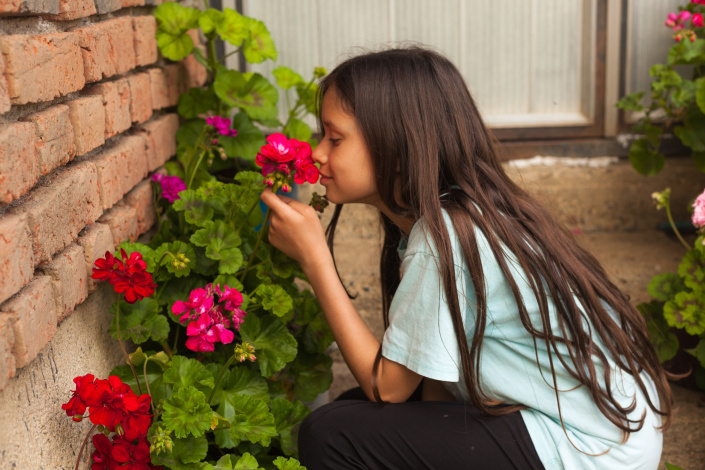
x,y
359,434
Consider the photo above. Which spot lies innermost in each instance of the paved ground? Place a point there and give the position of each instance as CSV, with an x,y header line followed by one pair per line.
x,y
610,206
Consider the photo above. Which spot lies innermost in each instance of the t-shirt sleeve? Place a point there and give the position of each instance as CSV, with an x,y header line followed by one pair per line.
x,y
420,335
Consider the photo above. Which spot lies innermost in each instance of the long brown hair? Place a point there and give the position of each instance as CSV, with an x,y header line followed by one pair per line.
x,y
420,123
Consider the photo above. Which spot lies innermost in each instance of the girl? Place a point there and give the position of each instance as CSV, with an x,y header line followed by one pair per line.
x,y
525,354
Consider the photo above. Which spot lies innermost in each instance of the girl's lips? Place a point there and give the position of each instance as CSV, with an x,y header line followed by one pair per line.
x,y
324,179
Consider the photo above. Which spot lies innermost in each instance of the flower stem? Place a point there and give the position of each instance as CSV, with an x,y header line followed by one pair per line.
x,y
146,382
195,169
167,349
259,240
675,229
195,147
220,377
129,361
83,446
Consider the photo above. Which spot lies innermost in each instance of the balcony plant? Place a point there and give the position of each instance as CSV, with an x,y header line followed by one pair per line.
x,y
231,345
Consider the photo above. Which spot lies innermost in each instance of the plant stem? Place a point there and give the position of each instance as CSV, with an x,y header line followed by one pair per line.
x,y
193,152
195,169
675,229
129,361
167,349
146,382
259,240
220,377
252,267
83,446
176,340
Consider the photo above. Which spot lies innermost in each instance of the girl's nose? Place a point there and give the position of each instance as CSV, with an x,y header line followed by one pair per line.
x,y
319,154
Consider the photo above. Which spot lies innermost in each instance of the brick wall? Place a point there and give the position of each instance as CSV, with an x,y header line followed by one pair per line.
x,y
86,114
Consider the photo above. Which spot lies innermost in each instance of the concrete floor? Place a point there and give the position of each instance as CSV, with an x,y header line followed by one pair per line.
x,y
609,206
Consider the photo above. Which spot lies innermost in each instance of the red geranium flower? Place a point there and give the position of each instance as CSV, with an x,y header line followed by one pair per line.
x,y
132,456
128,277
282,157
101,456
77,404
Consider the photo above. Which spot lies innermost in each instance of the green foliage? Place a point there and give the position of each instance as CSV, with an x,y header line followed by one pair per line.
x,y
681,99
212,234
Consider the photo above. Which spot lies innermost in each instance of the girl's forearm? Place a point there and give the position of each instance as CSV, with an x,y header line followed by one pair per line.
x,y
356,342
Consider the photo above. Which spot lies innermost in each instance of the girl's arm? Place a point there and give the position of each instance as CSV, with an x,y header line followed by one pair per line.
x,y
294,228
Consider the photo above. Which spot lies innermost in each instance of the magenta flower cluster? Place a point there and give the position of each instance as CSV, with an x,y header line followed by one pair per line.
x,y
679,23
222,125
282,158
210,322
171,186
699,211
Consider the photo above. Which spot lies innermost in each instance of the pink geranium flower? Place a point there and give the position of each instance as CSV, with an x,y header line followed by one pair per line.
x,y
697,20
282,158
171,186
222,125
699,211
677,21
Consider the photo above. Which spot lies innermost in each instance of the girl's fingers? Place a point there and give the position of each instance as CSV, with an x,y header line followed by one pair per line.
x,y
277,203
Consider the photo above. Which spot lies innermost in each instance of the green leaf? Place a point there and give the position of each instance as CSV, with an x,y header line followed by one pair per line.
x,y
700,94
297,129
665,286
240,381
287,464
221,243
186,412
249,91
186,453
176,248
307,95
287,418
692,132
251,420
631,102
684,94
274,345
316,335
275,299
233,27
186,372
287,78
175,18
246,143
209,20
197,101
686,52
312,375
259,46
140,321
673,467
700,352
664,341
245,462
196,211
644,159
174,46
686,311
692,269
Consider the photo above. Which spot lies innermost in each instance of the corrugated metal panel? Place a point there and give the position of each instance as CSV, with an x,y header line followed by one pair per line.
x,y
526,61
648,39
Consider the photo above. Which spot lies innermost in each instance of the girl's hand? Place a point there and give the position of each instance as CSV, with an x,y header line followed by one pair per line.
x,y
295,229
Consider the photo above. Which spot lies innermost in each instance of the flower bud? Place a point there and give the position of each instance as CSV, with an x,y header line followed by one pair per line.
x,y
662,199
319,72
119,430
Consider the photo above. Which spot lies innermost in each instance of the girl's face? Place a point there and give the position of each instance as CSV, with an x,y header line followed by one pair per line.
x,y
346,166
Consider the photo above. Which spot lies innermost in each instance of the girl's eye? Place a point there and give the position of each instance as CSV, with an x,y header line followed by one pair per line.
x,y
333,141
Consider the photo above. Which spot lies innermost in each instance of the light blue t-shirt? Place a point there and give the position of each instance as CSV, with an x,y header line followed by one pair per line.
x,y
421,337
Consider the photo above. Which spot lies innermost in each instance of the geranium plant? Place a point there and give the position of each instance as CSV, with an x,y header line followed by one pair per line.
x,y
231,345
679,298
676,103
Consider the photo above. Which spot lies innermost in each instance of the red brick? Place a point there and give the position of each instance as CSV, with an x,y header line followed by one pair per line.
x,y
73,9
58,211
55,142
28,7
132,3
122,220
87,116
145,28
69,280
107,6
103,46
120,168
18,161
95,240
16,255
7,341
176,82
140,97
141,198
35,310
116,101
196,74
159,88
4,92
41,68
161,139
